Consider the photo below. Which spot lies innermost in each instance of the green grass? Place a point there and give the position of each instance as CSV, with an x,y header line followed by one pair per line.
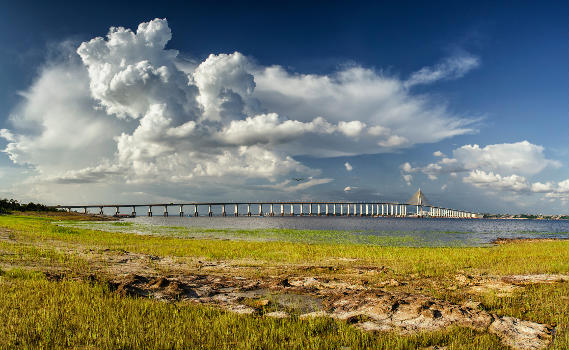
x,y
530,257
41,314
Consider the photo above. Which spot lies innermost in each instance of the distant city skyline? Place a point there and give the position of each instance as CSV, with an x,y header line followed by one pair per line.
x,y
178,102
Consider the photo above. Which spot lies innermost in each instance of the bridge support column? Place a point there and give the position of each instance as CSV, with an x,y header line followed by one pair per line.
x,y
318,208
181,210
117,211
367,208
310,209
236,210
100,210
150,211
165,210
223,213
327,209
341,210
301,207
196,210
209,212
361,210
133,212
248,209
85,210
271,212
292,210
260,209
334,210
371,205
282,209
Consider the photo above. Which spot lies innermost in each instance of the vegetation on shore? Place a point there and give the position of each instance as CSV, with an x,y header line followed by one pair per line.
x,y
74,311
10,205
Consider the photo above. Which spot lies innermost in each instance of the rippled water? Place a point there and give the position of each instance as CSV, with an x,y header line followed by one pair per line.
x,y
399,231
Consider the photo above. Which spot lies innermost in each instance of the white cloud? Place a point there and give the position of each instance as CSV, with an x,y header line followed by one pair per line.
x,y
408,179
452,68
347,189
481,178
348,166
519,157
131,110
438,154
542,187
506,158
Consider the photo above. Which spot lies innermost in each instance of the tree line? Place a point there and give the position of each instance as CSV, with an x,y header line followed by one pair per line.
x,y
9,205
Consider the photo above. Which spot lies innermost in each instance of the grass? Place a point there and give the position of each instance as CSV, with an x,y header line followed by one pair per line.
x,y
36,312
531,257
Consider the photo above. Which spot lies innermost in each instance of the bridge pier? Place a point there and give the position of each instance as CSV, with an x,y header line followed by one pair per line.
x,y
292,210
327,213
319,211
223,210
196,210
181,210
100,210
165,210
236,210
310,209
282,209
117,211
271,212
133,211
149,210
260,209
209,212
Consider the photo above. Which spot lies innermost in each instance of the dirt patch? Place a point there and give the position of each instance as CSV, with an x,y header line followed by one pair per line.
x,y
64,215
7,235
500,240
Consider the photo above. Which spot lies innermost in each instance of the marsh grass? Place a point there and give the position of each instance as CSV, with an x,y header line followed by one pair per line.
x,y
527,257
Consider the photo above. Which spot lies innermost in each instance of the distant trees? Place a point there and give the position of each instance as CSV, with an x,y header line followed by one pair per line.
x,y
9,205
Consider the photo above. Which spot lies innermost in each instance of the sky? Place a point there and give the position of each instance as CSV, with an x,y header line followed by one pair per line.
x,y
233,101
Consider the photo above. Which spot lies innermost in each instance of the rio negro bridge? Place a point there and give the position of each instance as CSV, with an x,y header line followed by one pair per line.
x,y
417,206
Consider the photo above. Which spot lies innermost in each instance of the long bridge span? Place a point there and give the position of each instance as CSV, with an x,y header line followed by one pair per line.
x,y
417,206
285,208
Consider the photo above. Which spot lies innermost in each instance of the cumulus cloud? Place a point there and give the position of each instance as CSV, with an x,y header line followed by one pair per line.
x,y
501,167
522,158
519,157
481,178
408,178
347,189
125,108
348,166
451,68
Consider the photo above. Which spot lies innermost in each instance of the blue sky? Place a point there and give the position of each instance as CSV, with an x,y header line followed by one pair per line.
x,y
293,90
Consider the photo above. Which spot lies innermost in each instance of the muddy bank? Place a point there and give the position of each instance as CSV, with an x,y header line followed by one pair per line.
x,y
501,240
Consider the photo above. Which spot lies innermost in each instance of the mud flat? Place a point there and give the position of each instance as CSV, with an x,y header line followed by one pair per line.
x,y
241,294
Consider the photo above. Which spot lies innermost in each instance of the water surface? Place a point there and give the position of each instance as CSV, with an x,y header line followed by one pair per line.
x,y
362,230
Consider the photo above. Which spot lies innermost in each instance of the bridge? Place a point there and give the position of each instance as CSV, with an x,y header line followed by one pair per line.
x,y
417,206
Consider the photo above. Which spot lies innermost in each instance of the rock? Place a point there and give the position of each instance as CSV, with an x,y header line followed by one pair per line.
x,y
522,335
314,314
277,314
